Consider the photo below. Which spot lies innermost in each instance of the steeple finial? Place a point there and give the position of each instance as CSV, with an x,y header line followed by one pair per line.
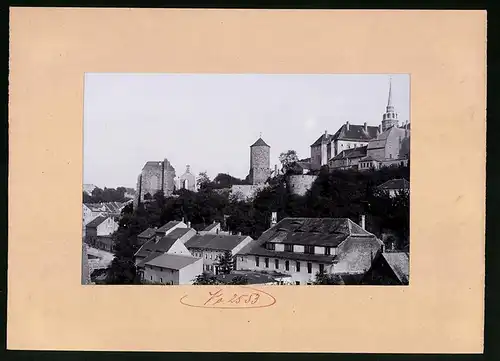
x,y
260,135
389,101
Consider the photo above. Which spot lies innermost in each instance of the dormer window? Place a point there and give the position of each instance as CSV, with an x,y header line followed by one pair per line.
x,y
288,247
309,249
270,246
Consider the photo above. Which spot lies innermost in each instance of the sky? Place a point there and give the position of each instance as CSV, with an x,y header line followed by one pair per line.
x,y
209,121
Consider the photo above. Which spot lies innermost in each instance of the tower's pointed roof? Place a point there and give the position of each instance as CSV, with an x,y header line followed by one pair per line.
x,y
389,101
260,143
390,107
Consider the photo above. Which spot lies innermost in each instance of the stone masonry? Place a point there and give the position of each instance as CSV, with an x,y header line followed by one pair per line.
x,y
260,168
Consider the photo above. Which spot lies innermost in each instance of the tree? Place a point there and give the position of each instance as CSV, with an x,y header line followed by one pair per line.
x,y
239,280
322,278
205,279
225,263
287,159
203,180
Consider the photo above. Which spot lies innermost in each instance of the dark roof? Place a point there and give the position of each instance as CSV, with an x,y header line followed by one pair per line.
x,y
400,265
328,232
215,241
351,153
356,132
210,227
171,261
253,277
148,233
167,226
324,137
96,221
259,143
395,184
163,245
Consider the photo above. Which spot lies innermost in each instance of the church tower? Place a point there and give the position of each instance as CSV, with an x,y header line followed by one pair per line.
x,y
260,168
390,118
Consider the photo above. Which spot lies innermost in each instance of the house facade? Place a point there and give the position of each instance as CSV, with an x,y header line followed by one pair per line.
x,y
99,231
211,247
394,187
301,247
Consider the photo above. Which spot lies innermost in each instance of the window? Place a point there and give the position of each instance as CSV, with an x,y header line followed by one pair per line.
x,y
276,264
266,260
321,267
288,247
151,278
309,267
161,280
297,283
287,266
206,256
309,249
327,251
210,256
270,246
256,261
297,266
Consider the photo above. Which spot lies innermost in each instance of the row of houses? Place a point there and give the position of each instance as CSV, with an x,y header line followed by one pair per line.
x,y
91,211
291,251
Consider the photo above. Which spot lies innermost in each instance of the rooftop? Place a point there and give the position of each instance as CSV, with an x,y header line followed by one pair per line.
x,y
96,222
211,226
356,132
215,242
166,227
148,233
327,232
351,153
395,184
170,261
260,143
400,264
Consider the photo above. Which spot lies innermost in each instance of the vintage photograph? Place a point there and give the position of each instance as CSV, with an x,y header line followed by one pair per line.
x,y
246,179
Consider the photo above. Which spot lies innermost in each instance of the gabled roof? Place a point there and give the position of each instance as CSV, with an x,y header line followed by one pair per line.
x,y
215,242
96,222
325,137
260,143
395,184
328,232
166,227
148,233
400,265
164,244
356,132
351,153
170,261
211,226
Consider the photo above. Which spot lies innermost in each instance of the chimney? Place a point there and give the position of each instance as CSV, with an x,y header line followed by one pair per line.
x,y
189,224
182,219
347,125
274,218
362,223
365,126
239,233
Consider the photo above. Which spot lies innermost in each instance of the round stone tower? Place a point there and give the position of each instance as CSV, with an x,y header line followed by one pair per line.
x,y
260,162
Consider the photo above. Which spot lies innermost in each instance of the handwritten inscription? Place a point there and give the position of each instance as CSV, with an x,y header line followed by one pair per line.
x,y
231,297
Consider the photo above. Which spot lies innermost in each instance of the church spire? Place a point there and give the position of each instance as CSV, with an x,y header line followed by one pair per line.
x,y
390,107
